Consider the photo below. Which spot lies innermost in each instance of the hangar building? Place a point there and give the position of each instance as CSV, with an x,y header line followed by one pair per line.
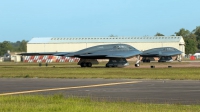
x,y
71,44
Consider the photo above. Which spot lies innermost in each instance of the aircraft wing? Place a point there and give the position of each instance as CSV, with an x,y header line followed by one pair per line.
x,y
112,54
169,54
124,54
158,54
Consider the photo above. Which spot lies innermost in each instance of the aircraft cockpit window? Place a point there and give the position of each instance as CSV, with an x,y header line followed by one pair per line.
x,y
119,47
170,49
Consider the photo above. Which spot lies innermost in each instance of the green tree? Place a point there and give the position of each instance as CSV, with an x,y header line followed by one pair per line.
x,y
183,32
190,40
22,46
4,47
197,33
113,35
190,46
159,34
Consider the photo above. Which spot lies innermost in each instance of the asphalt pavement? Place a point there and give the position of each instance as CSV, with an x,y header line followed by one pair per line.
x,y
148,91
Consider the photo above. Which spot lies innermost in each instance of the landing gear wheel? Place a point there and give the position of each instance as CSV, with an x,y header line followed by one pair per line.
x,y
89,64
146,60
137,65
107,65
83,64
114,66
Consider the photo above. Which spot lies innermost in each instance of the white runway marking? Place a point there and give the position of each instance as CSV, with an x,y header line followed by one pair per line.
x,y
67,88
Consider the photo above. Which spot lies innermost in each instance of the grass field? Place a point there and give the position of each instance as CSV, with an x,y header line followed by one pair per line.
x,y
73,71
59,103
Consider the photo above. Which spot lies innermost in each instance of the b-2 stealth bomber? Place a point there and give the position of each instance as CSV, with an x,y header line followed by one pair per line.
x,y
164,53
116,53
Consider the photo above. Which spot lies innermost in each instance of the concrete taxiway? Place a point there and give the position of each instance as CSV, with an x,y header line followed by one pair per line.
x,y
151,91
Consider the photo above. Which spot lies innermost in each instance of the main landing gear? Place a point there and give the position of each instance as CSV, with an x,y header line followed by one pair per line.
x,y
117,62
86,64
179,58
165,59
137,64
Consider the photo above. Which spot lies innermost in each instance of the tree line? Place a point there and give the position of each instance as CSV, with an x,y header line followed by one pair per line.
x,y
19,46
191,38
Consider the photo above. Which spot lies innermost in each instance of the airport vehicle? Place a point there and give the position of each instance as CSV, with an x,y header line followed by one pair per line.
x,y
116,53
164,53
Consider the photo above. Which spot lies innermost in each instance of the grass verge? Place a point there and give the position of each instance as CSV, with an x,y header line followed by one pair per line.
x,y
71,71
59,103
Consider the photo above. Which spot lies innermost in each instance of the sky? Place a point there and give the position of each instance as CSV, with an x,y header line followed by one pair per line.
x,y
25,19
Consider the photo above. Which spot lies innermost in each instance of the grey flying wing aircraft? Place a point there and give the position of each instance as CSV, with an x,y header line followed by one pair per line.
x,y
116,53
164,53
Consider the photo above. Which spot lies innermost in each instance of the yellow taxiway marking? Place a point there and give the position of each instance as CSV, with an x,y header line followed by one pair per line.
x,y
67,88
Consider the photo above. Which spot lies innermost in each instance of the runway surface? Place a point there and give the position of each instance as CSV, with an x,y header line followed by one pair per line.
x,y
151,91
